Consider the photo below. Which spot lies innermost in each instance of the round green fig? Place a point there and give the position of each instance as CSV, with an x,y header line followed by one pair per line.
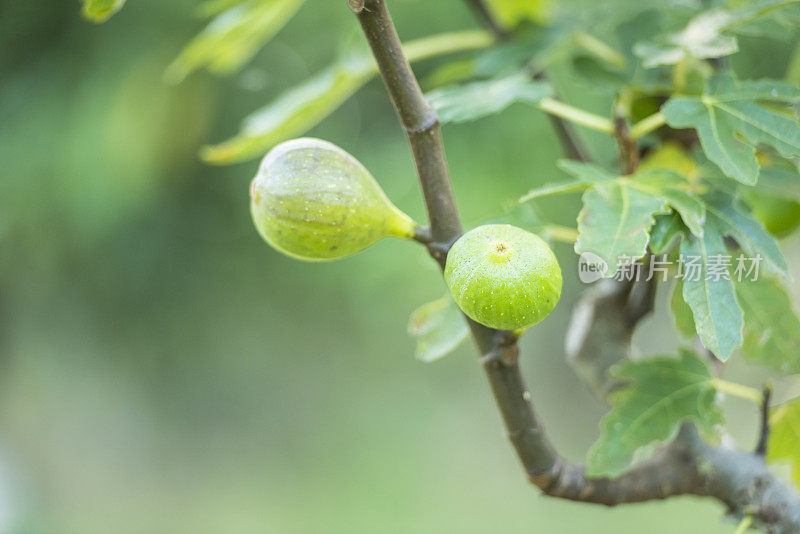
x,y
779,216
313,201
503,276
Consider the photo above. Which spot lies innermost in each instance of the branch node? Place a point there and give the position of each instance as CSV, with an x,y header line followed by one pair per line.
x,y
428,124
438,250
356,5
502,355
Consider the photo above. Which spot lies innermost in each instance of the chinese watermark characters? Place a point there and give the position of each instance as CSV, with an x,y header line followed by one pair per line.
x,y
714,268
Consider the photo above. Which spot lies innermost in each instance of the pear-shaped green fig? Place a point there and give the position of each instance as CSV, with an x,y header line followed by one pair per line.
x,y
503,277
313,201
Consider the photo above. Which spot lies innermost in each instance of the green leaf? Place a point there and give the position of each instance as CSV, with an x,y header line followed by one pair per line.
x,y
597,74
662,184
585,172
748,232
439,328
771,327
673,188
556,188
665,230
233,37
535,49
704,36
717,314
297,110
100,10
759,9
615,221
779,182
586,175
464,103
681,312
660,394
294,112
784,436
731,123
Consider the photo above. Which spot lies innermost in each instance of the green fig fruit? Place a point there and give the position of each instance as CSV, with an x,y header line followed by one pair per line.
x,y
503,276
313,201
779,216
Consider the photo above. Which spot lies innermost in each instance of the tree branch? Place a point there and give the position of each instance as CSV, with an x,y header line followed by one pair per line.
x,y
568,138
498,349
417,117
599,334
628,149
686,466
763,435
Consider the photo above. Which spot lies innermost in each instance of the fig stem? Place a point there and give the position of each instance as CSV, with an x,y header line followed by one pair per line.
x,y
422,234
600,49
647,125
739,390
578,116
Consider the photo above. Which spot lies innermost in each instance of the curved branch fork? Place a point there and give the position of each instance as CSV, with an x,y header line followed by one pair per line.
x,y
687,465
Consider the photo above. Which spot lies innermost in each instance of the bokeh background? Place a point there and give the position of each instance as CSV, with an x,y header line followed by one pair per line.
x,y
163,370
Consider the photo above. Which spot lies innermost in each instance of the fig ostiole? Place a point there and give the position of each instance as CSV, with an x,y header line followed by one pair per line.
x,y
503,277
313,201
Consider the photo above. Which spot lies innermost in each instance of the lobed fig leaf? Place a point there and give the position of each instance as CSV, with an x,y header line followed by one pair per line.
x,y
313,201
503,276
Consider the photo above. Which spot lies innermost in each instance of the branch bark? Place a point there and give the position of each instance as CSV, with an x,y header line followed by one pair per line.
x,y
628,149
688,465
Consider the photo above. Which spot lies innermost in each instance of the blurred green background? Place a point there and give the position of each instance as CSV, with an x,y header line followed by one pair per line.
x,y
163,370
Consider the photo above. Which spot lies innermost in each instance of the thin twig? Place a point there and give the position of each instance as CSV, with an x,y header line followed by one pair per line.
x,y
647,125
628,148
573,147
485,15
763,435
422,234
567,136
578,116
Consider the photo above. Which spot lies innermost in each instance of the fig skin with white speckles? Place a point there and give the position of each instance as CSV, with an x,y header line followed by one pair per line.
x,y
313,201
503,277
